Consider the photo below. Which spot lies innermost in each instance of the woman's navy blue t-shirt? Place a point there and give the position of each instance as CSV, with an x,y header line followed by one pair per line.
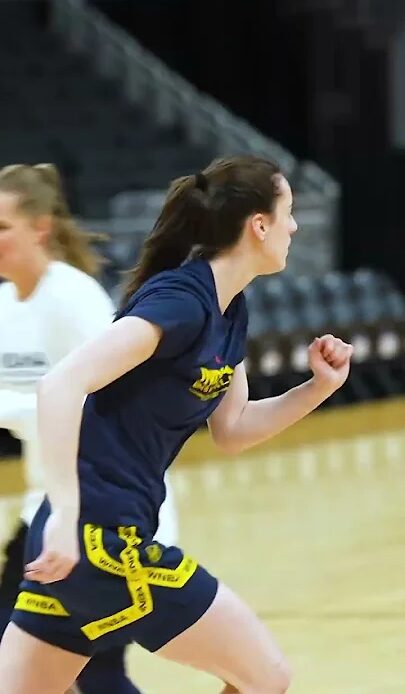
x,y
133,428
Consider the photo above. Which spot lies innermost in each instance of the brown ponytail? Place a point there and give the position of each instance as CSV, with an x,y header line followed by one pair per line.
x,y
40,192
184,219
207,211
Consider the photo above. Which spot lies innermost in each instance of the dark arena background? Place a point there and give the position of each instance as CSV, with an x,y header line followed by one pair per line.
x,y
125,95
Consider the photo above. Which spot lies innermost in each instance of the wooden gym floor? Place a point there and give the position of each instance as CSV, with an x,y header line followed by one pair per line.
x,y
310,530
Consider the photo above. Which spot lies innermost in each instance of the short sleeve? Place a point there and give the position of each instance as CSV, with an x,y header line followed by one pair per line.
x,y
179,314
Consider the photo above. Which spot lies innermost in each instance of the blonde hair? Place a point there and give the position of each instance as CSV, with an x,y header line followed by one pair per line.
x,y
40,192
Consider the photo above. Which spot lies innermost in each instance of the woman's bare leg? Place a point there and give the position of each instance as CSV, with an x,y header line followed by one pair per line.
x,y
229,641
28,665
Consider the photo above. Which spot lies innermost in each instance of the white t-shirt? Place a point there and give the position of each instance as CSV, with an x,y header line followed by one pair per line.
x,y
66,308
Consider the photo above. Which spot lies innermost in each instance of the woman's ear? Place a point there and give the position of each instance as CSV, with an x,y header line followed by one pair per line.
x,y
43,225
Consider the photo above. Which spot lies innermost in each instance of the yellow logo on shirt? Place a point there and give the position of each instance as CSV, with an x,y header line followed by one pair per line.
x,y
212,383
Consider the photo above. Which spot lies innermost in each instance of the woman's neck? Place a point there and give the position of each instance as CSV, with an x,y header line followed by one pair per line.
x,y
27,280
232,275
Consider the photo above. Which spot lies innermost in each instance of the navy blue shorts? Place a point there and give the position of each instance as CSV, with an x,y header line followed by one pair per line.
x,y
123,589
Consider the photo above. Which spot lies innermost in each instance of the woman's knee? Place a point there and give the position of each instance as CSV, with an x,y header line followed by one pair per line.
x,y
283,678
268,678
278,681
275,681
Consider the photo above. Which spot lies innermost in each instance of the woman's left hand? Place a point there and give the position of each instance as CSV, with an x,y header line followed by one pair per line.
x,y
329,360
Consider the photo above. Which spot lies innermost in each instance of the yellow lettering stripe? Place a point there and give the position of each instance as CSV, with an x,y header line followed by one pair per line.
x,y
172,578
97,555
103,626
134,571
141,596
129,534
40,604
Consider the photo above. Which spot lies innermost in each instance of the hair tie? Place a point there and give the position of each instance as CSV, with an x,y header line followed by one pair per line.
x,y
201,182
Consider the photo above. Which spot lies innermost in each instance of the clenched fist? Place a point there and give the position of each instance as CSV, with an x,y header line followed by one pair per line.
x,y
329,360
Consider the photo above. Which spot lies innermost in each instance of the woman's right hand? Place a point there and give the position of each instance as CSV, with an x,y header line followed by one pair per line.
x,y
60,550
